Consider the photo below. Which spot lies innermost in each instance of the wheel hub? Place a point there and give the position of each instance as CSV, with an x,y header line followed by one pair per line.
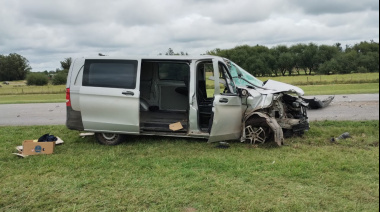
x,y
109,136
254,134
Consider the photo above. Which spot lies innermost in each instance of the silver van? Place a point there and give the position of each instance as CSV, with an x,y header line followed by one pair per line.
x,y
202,97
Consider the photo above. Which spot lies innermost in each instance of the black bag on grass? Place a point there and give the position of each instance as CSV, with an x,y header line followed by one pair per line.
x,y
47,138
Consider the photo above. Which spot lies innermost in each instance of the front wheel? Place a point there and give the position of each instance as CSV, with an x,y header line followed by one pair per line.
x,y
109,139
257,131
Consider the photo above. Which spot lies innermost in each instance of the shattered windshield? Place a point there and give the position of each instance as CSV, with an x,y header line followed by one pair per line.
x,y
241,77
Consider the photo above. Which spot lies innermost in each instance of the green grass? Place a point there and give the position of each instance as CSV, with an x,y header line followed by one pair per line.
x,y
327,79
18,92
32,98
304,80
24,89
335,89
162,174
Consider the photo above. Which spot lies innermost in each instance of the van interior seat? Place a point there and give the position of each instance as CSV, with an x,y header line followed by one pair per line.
x,y
146,80
144,105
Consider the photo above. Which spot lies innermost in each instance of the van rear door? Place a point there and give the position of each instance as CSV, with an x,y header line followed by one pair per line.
x,y
109,96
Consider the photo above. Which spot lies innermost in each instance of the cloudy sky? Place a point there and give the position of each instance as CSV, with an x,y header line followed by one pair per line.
x,y
47,31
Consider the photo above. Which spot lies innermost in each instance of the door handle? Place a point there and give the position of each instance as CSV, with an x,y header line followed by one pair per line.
x,y
128,93
223,100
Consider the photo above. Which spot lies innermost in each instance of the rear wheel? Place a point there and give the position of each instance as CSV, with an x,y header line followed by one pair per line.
x,y
110,139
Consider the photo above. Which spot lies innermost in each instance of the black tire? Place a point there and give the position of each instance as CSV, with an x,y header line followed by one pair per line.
x,y
257,123
110,139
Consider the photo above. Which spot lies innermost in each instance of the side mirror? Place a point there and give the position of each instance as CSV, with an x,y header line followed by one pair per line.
x,y
242,92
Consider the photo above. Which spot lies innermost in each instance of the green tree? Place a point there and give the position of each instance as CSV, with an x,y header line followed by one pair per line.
x,y
309,58
285,59
38,79
330,67
66,63
348,62
369,61
271,59
171,52
297,51
60,78
13,67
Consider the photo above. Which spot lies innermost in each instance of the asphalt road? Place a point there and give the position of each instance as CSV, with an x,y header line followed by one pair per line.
x,y
344,107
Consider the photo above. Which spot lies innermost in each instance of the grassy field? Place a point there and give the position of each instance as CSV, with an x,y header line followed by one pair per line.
x,y
23,89
161,174
18,92
335,89
319,79
32,98
327,79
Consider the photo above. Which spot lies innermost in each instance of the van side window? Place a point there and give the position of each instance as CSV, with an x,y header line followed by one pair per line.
x,y
110,73
173,71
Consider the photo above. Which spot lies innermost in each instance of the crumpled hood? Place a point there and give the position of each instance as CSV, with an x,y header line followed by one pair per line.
x,y
278,87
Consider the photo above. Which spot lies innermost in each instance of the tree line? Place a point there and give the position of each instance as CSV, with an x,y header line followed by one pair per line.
x,y
57,77
258,60
16,67
304,59
13,67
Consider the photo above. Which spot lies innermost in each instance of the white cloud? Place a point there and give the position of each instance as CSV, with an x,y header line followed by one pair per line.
x,y
46,32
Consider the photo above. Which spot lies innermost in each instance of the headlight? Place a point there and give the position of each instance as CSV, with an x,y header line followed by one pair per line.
x,y
296,104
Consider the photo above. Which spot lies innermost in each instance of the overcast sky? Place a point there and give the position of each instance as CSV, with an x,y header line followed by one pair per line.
x,y
47,31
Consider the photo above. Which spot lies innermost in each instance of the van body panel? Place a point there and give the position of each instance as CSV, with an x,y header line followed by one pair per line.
x,y
108,110
109,96
74,82
227,119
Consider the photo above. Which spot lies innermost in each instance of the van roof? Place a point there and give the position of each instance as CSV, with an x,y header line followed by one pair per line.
x,y
160,57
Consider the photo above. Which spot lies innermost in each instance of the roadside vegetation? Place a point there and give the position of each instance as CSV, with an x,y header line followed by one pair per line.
x,y
305,59
318,69
18,92
355,78
164,174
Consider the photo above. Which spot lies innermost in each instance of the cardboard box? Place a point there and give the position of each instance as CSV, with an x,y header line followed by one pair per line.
x,y
176,126
29,147
33,147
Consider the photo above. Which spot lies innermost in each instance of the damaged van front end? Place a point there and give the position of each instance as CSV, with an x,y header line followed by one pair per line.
x,y
274,110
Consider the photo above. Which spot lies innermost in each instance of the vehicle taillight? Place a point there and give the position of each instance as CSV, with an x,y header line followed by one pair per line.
x,y
68,102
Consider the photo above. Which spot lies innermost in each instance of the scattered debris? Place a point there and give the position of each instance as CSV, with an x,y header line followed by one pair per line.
x,y
341,137
344,136
317,103
223,145
176,126
83,135
36,147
